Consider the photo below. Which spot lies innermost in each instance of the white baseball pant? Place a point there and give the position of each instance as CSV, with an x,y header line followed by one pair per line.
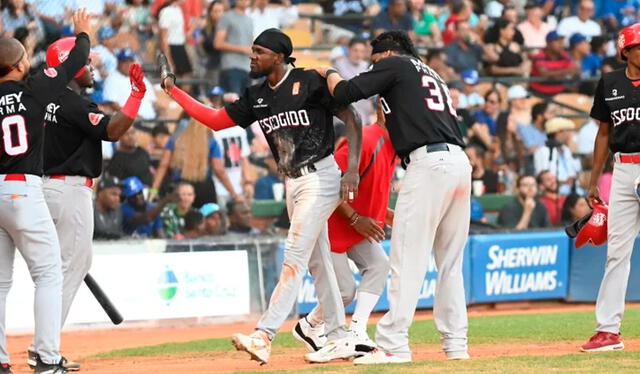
x,y
432,213
25,224
70,202
311,199
371,261
623,224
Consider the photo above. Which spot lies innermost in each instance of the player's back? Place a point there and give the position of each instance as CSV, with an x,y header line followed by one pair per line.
x,y
22,128
417,104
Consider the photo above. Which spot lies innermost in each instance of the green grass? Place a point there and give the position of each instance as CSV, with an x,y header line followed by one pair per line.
x,y
519,328
613,362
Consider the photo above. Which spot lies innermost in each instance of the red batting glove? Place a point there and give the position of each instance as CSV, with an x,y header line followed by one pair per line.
x,y
136,76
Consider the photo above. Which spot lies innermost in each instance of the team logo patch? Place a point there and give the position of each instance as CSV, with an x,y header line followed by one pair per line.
x,y
260,100
598,219
95,118
614,92
51,72
296,89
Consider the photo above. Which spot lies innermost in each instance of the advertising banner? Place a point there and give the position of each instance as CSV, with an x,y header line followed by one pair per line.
x,y
307,298
522,266
149,286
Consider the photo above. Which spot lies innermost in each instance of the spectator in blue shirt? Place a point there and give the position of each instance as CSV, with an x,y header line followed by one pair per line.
x,y
264,185
394,17
140,218
533,135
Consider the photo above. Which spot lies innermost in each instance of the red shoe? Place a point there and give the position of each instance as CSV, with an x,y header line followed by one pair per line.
x,y
603,341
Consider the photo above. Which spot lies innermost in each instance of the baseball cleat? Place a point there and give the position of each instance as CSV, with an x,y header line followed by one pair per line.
x,y
378,356
311,336
32,358
257,345
5,369
343,348
602,342
42,368
457,355
364,344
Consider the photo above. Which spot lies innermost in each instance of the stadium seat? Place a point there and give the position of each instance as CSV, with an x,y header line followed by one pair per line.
x,y
300,38
578,101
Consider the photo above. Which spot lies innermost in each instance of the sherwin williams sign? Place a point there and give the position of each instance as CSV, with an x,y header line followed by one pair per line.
x,y
519,266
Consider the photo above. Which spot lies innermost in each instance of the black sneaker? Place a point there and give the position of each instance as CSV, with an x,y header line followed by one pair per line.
x,y
32,358
5,369
42,368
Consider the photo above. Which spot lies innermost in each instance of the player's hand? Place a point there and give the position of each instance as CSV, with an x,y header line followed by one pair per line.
x,y
82,21
136,76
593,194
369,228
349,186
322,70
167,78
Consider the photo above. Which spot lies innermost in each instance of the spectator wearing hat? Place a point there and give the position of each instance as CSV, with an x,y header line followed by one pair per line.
x,y
580,51
554,63
581,23
556,155
172,38
214,223
463,53
505,56
469,98
394,17
107,214
518,113
533,28
117,87
494,8
106,61
215,95
533,135
234,37
140,218
524,211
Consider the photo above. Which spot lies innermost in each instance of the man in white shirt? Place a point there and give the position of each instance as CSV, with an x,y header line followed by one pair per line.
x,y
117,87
267,17
581,22
556,156
354,63
173,38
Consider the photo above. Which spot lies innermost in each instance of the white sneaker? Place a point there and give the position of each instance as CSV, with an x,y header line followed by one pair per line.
x,y
257,345
343,348
364,344
457,355
378,356
311,336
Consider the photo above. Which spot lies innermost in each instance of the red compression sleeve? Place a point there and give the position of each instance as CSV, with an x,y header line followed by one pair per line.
x,y
131,107
212,118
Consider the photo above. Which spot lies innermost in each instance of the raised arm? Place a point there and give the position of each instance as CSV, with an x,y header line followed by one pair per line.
x,y
216,119
122,121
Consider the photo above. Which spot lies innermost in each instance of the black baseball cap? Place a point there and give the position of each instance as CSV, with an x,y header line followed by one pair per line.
x,y
107,182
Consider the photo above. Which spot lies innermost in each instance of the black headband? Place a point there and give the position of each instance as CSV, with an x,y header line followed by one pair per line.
x,y
278,42
386,45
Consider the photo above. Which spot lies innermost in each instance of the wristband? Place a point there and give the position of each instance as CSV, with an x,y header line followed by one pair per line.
x,y
131,107
331,71
355,220
153,190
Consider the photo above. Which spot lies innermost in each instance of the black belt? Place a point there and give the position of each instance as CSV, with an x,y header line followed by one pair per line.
x,y
435,147
308,169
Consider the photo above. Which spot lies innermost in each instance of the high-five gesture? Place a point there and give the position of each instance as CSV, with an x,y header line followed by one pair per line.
x,y
82,21
136,76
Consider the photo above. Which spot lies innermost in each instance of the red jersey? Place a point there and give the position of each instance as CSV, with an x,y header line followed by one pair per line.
x,y
374,187
554,207
541,59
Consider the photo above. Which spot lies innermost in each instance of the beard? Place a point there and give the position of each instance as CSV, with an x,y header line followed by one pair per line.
x,y
257,74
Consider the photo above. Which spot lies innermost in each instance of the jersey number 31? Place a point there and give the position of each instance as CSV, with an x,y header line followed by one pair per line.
x,y
14,123
435,100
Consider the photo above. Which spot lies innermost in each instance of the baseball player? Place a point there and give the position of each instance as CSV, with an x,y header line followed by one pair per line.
x,y
25,222
294,110
616,105
75,129
355,232
433,207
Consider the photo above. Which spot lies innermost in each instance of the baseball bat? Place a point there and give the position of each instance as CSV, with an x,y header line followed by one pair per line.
x,y
102,298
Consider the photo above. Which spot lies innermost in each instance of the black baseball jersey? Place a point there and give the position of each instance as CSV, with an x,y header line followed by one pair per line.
x,y
416,102
22,111
74,129
295,117
617,102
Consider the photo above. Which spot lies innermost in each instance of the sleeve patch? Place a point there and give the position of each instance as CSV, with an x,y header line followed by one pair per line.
x,y
95,118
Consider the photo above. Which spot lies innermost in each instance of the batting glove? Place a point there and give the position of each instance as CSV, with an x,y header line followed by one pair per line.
x,y
136,76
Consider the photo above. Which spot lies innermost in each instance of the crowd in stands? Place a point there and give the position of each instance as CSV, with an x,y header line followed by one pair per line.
x,y
507,63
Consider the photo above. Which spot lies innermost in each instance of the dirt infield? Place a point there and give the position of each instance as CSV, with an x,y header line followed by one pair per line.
x,y
83,343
